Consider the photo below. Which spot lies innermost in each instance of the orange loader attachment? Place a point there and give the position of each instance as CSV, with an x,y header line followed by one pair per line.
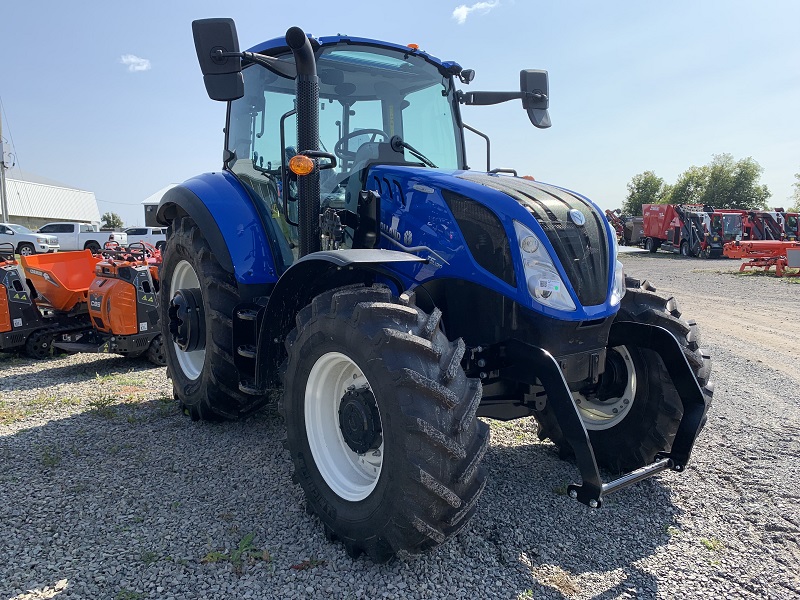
x,y
62,279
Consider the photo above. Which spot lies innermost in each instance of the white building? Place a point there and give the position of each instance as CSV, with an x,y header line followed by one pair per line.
x,y
151,205
33,203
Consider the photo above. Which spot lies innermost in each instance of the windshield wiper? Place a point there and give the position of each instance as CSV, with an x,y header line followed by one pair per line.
x,y
398,144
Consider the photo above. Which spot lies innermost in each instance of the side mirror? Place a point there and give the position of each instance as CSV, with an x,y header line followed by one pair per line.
x,y
535,99
215,40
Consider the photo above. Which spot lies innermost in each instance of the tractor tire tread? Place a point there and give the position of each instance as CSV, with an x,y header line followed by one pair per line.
x,y
437,470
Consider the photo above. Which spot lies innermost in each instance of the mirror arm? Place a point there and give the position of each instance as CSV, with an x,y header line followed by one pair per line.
x,y
487,98
274,65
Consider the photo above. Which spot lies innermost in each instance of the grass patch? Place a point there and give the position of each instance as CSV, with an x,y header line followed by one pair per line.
x,y
50,456
244,554
148,557
672,531
128,595
103,406
712,544
9,414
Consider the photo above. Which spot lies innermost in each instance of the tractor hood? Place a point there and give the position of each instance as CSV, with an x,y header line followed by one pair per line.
x,y
463,222
580,242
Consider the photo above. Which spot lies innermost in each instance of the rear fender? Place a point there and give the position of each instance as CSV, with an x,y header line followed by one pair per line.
x,y
230,222
297,287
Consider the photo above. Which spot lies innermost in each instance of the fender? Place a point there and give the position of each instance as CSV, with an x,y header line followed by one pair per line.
x,y
258,360
230,222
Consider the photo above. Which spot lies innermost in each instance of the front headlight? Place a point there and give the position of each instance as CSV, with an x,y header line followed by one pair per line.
x,y
41,240
618,291
544,283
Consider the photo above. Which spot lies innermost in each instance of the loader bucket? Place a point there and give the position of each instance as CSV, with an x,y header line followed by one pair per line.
x,y
61,280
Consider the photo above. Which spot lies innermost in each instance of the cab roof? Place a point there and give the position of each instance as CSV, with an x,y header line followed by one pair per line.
x,y
278,46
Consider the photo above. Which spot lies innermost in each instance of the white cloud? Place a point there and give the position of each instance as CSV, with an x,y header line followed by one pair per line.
x,y
135,63
460,13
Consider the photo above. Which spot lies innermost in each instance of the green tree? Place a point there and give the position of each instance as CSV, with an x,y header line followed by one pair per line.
x,y
734,184
795,198
111,220
644,188
689,187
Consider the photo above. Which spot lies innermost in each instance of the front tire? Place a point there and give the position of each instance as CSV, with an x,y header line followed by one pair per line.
x,y
26,249
650,245
381,423
628,435
205,381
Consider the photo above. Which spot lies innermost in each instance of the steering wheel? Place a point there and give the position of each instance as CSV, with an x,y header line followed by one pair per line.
x,y
339,149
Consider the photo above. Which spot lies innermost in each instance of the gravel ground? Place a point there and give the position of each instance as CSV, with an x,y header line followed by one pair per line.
x,y
107,492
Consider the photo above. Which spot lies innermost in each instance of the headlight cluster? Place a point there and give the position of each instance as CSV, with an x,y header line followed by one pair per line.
x,y
544,282
618,291
41,240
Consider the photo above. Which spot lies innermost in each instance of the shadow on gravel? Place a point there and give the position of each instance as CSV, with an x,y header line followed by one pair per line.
x,y
137,499
108,365
562,546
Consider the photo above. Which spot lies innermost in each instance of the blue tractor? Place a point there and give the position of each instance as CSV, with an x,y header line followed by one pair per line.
x,y
346,260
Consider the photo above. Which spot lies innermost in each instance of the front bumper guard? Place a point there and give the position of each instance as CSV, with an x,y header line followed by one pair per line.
x,y
534,365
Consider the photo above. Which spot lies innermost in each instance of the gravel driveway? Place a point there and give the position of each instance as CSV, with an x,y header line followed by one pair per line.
x,y
107,492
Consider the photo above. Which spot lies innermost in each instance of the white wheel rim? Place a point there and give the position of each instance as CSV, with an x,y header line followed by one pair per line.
x,y
597,415
351,476
191,363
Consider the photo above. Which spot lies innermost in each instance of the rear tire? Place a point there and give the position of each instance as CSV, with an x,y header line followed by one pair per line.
x,y
650,245
93,247
423,484
684,248
206,382
648,425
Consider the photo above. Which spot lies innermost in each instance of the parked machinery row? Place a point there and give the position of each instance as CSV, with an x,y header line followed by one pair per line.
x,y
81,302
701,230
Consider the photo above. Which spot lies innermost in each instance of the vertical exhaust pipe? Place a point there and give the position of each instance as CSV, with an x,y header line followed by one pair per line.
x,y
307,137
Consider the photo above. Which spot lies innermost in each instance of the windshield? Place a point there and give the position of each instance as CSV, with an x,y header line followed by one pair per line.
x,y
19,228
732,226
367,96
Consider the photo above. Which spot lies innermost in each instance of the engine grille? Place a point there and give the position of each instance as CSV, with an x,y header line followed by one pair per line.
x,y
484,234
582,250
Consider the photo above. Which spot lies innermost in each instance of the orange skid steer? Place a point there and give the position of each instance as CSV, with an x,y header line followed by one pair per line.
x,y
116,292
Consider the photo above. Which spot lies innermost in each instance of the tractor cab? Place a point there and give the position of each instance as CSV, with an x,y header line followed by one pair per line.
x,y
377,104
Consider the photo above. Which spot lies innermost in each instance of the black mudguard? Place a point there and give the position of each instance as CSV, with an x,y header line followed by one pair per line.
x,y
258,357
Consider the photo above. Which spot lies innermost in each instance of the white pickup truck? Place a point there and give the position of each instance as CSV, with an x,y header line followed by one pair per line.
x,y
25,241
156,236
82,236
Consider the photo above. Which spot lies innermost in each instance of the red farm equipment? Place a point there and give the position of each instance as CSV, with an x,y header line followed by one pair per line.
x,y
765,254
684,228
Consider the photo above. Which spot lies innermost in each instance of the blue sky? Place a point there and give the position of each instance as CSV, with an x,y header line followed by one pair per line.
x,y
634,86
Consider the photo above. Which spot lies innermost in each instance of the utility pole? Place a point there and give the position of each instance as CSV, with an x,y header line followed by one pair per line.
x,y
3,195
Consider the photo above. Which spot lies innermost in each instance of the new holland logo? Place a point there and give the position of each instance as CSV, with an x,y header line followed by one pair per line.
x,y
577,217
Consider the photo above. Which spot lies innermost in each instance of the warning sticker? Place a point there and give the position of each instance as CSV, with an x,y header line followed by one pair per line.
x,y
142,326
17,322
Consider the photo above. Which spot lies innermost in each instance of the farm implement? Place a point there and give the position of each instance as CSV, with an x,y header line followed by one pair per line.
x,y
83,302
765,254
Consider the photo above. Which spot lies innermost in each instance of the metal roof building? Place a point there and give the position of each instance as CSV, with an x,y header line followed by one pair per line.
x,y
34,204
151,205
